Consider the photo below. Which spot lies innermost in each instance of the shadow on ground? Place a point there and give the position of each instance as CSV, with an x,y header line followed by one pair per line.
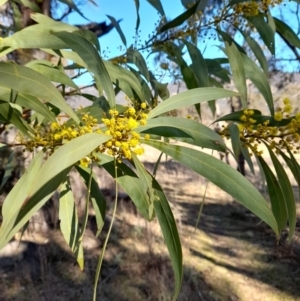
x,y
231,256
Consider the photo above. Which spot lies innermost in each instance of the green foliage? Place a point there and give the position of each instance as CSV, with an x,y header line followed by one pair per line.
x,y
106,134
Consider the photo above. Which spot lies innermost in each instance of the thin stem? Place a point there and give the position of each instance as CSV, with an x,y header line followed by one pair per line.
x,y
87,203
99,265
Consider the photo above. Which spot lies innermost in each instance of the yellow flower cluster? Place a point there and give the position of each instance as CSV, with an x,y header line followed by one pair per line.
x,y
249,9
120,126
253,132
252,8
119,60
287,109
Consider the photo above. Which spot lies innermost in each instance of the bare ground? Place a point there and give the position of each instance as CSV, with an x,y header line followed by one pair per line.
x,y
230,256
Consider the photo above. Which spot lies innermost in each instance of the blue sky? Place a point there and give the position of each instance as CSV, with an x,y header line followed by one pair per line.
x,y
126,10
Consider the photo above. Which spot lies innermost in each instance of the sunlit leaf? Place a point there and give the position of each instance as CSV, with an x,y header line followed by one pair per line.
x,y
222,175
185,130
190,97
46,180
52,74
25,80
93,61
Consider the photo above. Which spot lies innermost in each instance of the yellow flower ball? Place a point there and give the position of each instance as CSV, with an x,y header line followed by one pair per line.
x,y
278,116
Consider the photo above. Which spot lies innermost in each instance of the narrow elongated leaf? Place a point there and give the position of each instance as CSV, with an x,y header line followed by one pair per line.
x,y
14,200
120,75
175,53
72,5
288,192
162,90
146,181
287,33
137,6
29,4
130,183
69,221
97,197
93,61
259,79
199,65
238,73
53,74
158,6
17,17
235,140
265,31
117,26
190,97
145,85
292,164
247,157
168,227
67,215
259,54
25,80
180,19
189,131
8,169
276,196
271,22
46,180
134,57
9,114
29,102
227,38
222,175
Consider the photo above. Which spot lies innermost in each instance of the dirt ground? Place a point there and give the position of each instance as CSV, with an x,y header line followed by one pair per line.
x,y
231,255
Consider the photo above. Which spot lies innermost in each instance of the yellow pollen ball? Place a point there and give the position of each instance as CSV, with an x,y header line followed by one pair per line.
x,y
278,116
